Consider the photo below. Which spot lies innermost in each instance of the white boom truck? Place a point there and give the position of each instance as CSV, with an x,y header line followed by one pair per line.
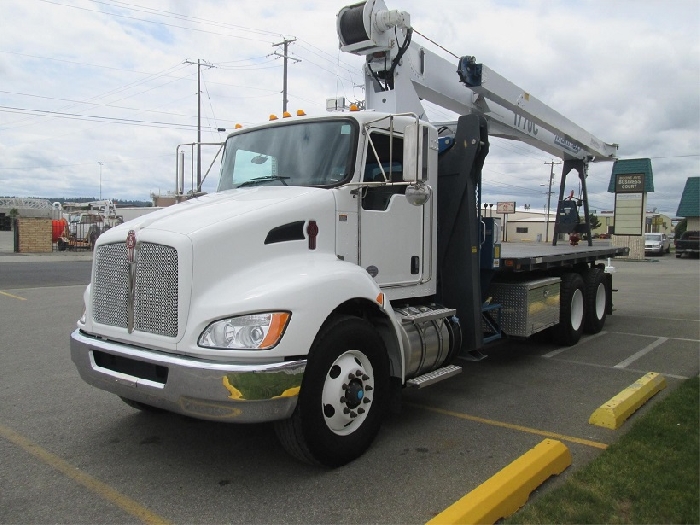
x,y
342,258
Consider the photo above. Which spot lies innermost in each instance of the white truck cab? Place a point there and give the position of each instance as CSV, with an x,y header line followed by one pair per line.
x,y
211,307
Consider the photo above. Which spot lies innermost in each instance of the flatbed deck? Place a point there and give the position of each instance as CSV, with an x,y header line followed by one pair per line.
x,y
526,257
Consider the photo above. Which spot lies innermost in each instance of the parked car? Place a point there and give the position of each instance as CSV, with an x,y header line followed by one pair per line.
x,y
689,243
658,243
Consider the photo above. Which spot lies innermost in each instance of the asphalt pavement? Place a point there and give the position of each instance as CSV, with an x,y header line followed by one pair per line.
x,y
72,453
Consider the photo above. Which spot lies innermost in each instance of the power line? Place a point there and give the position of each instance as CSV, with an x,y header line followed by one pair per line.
x,y
96,118
154,22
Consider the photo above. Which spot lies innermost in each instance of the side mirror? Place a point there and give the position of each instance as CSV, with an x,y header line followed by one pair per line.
x,y
410,152
418,194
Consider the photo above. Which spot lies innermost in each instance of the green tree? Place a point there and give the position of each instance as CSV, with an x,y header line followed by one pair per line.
x,y
681,227
593,219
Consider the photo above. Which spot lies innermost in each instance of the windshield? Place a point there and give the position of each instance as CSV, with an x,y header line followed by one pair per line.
x,y
310,153
653,237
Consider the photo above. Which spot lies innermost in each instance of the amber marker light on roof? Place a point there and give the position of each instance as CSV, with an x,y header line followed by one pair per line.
x,y
273,117
237,126
353,107
286,114
300,113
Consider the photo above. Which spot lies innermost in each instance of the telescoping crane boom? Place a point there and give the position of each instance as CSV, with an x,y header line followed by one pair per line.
x,y
399,74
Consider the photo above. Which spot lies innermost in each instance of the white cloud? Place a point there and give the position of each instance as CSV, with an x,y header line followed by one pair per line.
x,y
104,81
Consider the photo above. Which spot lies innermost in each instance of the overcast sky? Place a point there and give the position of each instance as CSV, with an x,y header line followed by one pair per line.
x,y
96,94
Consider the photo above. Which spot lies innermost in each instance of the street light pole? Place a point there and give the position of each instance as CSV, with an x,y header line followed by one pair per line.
x,y
100,179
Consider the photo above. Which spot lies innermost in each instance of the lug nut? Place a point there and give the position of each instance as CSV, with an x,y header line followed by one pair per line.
x,y
368,388
346,410
365,377
342,399
366,400
358,373
353,415
360,410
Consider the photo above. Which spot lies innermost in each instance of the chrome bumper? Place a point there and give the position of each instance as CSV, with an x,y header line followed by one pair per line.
x,y
193,387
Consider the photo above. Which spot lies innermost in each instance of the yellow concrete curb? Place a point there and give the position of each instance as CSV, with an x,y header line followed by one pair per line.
x,y
613,413
508,490
616,411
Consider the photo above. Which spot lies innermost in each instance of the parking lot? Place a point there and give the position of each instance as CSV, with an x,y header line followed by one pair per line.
x,y
72,453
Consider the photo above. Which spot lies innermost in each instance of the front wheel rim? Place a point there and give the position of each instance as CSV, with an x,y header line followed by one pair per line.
x,y
348,391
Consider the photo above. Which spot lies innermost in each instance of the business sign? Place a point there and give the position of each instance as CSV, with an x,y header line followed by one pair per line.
x,y
505,207
629,183
629,213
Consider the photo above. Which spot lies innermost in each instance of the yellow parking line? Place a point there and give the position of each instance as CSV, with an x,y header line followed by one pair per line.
x,y
511,426
13,296
102,489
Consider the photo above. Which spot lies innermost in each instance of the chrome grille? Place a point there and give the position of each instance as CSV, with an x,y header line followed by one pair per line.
x,y
155,289
155,297
110,289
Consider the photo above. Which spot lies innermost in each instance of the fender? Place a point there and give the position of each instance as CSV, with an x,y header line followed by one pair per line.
x,y
310,286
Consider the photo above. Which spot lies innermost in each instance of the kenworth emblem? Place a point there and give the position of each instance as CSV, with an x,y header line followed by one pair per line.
x,y
130,246
131,258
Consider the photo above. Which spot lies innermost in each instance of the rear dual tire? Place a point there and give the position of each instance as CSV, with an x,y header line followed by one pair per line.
x,y
571,310
596,300
583,305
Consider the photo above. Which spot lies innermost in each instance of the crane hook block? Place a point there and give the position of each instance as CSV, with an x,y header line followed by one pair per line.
x,y
469,71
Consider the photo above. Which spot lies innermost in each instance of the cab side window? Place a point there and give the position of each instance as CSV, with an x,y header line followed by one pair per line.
x,y
390,157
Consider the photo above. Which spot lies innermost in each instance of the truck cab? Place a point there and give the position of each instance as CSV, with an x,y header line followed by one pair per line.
x,y
213,307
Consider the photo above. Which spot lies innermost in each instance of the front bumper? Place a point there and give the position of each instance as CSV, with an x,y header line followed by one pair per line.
x,y
198,388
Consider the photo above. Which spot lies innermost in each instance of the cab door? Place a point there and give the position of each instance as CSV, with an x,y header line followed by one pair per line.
x,y
391,230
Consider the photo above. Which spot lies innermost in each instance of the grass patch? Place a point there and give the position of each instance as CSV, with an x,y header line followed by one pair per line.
x,y
650,475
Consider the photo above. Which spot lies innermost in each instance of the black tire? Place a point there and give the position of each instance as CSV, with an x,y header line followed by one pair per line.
x,y
596,300
141,406
328,426
571,310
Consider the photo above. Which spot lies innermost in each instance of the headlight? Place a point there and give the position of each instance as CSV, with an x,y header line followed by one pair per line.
x,y
246,332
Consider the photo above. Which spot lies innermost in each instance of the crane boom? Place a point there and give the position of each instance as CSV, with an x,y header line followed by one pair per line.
x,y
399,74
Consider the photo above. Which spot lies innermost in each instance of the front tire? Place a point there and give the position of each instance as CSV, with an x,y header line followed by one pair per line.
x,y
343,395
571,310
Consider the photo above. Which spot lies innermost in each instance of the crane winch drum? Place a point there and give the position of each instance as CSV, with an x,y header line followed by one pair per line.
x,y
363,27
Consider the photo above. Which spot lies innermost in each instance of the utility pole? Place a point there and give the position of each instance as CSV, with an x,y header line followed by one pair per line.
x,y
549,196
285,43
100,179
199,63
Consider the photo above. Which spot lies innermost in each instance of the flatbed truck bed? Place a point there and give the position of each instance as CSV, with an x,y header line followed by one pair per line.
x,y
527,257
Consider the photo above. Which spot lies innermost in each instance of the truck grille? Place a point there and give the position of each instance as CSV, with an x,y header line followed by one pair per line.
x,y
155,289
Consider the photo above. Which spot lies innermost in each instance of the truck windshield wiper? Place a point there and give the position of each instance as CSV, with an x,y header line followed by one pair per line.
x,y
266,178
